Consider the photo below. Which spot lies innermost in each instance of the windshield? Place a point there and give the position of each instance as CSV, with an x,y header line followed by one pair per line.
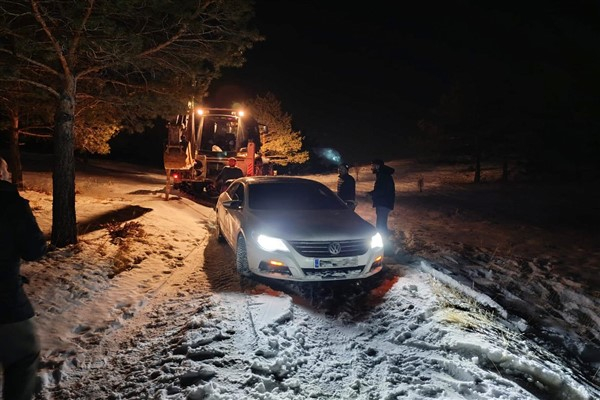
x,y
293,196
226,133
219,132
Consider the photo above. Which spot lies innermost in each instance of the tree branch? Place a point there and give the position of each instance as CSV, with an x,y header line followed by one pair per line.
x,y
35,6
31,61
80,29
38,135
32,83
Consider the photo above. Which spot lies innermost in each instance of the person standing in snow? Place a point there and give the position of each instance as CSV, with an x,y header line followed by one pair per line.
x,y
230,171
383,195
346,186
20,238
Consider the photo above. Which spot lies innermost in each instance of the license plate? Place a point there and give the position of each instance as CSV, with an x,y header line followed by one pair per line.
x,y
336,262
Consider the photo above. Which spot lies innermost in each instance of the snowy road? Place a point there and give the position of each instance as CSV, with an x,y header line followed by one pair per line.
x,y
176,321
200,332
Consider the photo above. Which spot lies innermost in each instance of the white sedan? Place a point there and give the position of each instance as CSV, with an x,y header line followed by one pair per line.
x,y
296,229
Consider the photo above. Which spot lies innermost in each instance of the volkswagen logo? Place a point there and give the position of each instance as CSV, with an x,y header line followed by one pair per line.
x,y
334,248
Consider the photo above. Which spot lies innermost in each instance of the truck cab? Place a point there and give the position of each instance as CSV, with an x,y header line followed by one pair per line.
x,y
200,143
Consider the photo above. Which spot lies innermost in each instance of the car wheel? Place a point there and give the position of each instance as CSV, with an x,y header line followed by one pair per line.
x,y
241,258
220,237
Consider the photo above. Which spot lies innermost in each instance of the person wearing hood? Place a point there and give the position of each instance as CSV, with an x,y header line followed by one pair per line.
x,y
20,238
383,195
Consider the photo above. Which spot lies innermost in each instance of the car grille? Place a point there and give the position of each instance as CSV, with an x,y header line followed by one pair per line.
x,y
349,248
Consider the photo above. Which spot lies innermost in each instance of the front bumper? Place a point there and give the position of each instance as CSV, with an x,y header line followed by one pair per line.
x,y
293,266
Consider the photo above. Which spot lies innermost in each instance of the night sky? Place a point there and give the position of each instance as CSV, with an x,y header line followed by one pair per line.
x,y
357,77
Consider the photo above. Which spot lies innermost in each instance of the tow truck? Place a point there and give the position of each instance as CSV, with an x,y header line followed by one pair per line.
x,y
200,143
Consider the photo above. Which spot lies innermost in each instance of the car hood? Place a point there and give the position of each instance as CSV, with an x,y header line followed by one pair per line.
x,y
310,224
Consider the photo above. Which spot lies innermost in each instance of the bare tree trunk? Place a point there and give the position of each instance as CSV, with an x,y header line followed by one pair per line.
x,y
64,224
15,155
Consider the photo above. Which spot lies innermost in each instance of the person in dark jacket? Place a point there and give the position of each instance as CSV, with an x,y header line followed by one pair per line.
x,y
230,171
20,238
383,194
346,186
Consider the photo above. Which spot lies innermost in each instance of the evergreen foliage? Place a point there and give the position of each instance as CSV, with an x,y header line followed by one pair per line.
x,y
105,62
282,143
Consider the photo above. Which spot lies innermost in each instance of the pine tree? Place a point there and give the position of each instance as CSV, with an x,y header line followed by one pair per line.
x,y
137,59
282,142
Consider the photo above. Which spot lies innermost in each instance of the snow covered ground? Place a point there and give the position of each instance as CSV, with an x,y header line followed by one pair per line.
x,y
492,294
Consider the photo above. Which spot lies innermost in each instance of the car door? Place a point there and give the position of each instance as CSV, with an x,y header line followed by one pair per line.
x,y
232,216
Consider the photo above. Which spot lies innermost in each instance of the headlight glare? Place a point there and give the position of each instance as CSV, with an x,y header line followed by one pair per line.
x,y
376,241
269,243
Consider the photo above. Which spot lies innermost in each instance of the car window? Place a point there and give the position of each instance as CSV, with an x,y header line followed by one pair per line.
x,y
292,196
239,193
236,191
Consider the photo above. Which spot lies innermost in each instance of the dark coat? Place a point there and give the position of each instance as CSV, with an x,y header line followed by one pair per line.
x,y
384,191
20,238
228,173
346,187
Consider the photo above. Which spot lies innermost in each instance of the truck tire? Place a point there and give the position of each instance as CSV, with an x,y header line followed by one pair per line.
x,y
241,258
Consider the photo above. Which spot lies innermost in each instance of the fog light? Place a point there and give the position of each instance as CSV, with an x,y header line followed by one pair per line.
x,y
275,267
377,264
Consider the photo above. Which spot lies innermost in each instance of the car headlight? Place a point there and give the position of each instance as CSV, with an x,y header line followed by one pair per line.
x,y
269,243
376,241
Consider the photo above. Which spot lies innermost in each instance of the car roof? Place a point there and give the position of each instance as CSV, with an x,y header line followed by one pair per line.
x,y
276,178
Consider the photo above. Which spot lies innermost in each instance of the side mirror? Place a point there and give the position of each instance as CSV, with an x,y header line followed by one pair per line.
x,y
351,204
233,204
